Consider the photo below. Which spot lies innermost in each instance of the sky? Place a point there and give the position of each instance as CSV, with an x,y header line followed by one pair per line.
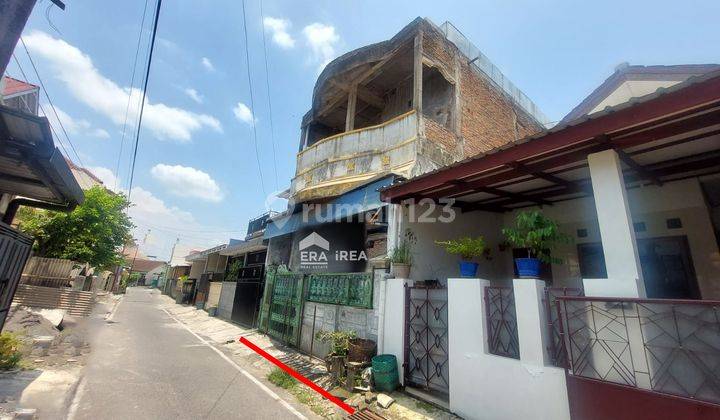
x,y
201,174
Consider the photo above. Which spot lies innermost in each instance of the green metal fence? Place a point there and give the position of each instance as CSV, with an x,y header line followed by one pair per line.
x,y
282,304
281,312
350,289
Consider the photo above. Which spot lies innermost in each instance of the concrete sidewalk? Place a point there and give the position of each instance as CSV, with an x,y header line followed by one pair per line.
x,y
224,335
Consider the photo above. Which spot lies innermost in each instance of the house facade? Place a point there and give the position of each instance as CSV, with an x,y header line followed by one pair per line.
x,y
626,326
389,111
33,173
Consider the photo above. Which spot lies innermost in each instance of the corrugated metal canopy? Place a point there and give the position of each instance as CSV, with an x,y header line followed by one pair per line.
x,y
671,134
356,201
30,164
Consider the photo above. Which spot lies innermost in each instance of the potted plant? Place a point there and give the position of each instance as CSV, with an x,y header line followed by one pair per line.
x,y
401,256
339,346
539,235
468,249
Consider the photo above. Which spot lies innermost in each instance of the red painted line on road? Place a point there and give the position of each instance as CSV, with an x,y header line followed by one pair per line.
x,y
297,376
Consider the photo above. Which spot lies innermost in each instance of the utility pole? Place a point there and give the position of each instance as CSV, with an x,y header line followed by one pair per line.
x,y
169,270
138,248
172,253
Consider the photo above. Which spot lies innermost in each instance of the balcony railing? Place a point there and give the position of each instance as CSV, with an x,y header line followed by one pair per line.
x,y
664,346
367,150
257,224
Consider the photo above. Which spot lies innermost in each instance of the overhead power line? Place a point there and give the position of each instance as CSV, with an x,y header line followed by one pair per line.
x,y
132,83
55,135
267,85
47,96
144,92
252,102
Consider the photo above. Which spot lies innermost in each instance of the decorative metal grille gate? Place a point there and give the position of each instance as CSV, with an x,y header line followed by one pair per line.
x,y
556,348
502,322
14,252
426,338
281,313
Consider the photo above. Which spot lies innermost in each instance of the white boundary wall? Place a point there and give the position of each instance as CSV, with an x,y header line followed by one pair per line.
x,y
485,386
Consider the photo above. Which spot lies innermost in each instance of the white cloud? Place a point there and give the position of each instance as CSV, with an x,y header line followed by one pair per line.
x,y
279,29
166,223
207,64
73,125
86,83
322,39
186,181
106,175
100,133
243,113
194,95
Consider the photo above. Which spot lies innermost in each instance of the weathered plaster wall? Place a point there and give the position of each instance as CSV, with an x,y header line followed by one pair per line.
x,y
196,269
279,249
399,101
214,291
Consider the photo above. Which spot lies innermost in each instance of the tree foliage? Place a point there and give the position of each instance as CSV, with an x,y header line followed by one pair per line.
x,y
93,233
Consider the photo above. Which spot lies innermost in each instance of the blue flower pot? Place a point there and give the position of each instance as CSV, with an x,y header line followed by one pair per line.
x,y
468,269
528,267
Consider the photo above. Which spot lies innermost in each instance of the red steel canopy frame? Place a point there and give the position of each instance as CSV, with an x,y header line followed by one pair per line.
x,y
641,125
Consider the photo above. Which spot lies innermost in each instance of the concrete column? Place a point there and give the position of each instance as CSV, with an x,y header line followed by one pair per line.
x,y
394,321
418,73
531,321
396,225
467,336
352,103
616,230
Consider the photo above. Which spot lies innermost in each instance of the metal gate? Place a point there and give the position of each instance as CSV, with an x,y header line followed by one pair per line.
x,y
248,292
426,338
14,252
281,313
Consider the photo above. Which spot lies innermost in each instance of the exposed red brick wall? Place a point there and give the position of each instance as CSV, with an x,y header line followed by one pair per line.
x,y
489,118
439,134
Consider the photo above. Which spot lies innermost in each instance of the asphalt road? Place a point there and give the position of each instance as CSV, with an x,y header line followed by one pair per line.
x,y
145,365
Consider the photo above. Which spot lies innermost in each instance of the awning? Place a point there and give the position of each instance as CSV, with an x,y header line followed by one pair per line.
x,y
356,201
30,164
664,136
199,256
243,247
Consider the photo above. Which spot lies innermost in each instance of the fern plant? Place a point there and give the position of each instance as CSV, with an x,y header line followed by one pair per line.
x,y
466,247
538,234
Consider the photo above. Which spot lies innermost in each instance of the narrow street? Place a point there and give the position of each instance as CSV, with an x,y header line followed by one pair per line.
x,y
146,365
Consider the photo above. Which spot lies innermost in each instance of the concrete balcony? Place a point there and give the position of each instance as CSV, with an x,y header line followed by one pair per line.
x,y
335,164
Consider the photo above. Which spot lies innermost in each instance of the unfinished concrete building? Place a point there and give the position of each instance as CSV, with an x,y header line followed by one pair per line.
x,y
421,100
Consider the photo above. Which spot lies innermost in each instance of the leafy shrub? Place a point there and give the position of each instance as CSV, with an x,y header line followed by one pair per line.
x,y
467,248
339,340
9,351
538,234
